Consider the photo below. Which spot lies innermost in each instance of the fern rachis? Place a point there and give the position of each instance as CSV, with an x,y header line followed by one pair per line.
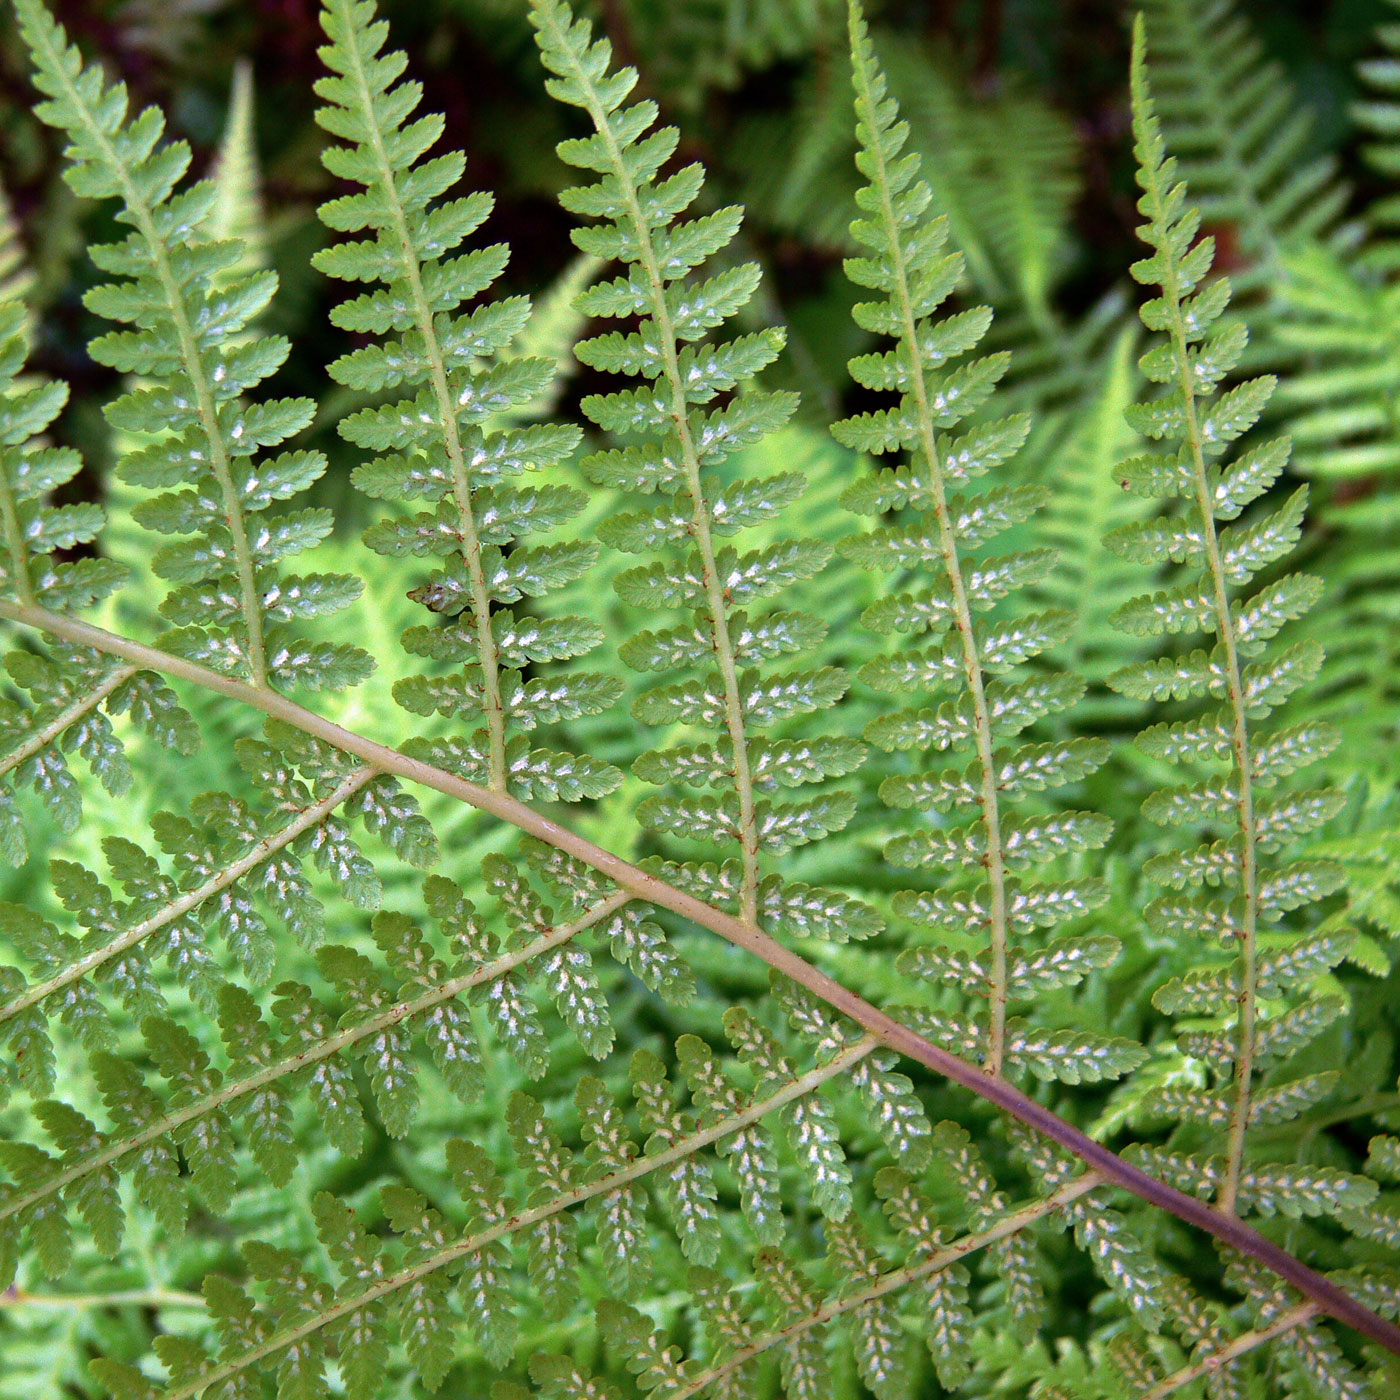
x,y
448,442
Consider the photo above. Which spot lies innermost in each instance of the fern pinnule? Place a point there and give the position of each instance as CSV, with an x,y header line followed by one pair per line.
x,y
676,443
445,441
1191,360
913,276
231,606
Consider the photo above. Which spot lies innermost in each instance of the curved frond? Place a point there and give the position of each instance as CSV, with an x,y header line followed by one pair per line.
x,y
992,696
695,405
1224,892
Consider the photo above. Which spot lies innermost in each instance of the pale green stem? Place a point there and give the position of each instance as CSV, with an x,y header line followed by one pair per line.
x,y
326,1049
304,820
523,1219
189,354
132,1297
891,1282
447,414
962,613
1225,1227
1239,738
42,737
700,518
1207,1365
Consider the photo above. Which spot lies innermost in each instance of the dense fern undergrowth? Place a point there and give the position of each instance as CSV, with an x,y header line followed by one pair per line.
x,y
694,899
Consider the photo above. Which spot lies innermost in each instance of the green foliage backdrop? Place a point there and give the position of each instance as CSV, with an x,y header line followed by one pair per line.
x,y
608,611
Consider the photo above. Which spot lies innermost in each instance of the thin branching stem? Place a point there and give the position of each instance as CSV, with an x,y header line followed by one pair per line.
x,y
995,858
263,850
1172,296
523,1219
325,1049
690,458
121,1298
1214,1361
65,719
446,409
1224,1226
206,405
891,1282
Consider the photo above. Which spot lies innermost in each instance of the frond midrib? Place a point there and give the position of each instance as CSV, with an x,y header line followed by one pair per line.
x,y
452,442
700,522
194,367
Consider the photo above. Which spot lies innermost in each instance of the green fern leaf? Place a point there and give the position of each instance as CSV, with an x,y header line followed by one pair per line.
x,y
674,444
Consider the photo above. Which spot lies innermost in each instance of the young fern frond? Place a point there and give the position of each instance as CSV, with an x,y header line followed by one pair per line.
x,y
445,443
230,604
976,662
676,443
1191,361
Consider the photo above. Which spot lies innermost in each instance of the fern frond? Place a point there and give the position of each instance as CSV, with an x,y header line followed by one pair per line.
x,y
862,1299
530,1206
770,1134
977,664
16,276
1192,412
417,997
238,212
1074,454
1240,132
228,858
230,604
676,440
444,441
73,693
1378,113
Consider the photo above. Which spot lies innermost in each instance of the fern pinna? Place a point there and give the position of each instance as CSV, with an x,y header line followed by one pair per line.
x,y
445,444
676,446
1250,1028
914,274
765,1164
